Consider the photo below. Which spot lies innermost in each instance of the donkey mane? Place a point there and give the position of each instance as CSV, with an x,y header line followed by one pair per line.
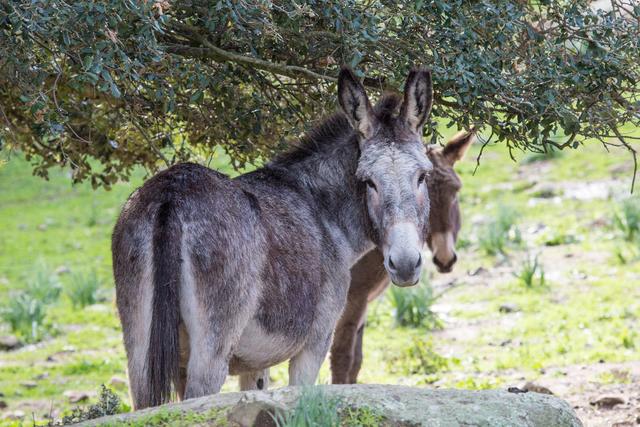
x,y
333,131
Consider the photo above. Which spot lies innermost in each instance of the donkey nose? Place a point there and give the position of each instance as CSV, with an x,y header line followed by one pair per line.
x,y
445,267
404,268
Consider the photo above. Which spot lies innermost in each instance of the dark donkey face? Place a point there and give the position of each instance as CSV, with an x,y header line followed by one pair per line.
x,y
444,185
393,165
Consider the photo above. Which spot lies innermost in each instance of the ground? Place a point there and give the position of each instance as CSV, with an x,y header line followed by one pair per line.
x,y
576,334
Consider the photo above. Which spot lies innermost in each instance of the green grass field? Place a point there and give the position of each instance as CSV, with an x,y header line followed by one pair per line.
x,y
585,310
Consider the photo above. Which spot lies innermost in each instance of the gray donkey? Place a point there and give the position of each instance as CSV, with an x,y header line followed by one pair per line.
x,y
368,277
218,276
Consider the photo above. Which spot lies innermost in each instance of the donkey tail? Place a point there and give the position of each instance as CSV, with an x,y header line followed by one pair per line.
x,y
163,356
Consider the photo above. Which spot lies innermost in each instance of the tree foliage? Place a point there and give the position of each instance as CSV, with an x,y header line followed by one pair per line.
x,y
151,83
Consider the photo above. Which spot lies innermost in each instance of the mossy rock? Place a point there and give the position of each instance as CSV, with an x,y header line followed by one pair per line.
x,y
361,405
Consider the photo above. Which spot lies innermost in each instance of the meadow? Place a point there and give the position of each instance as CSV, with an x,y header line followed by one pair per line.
x,y
546,289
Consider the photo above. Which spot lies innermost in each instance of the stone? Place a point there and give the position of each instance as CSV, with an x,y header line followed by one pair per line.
x,y
607,402
118,382
29,384
509,308
14,416
3,404
63,269
9,342
76,396
537,388
399,405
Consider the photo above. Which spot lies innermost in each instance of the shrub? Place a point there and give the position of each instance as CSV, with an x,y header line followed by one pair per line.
x,y
627,219
420,358
108,404
83,289
531,268
412,306
500,231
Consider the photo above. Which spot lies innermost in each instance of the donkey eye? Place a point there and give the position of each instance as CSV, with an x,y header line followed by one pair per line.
x,y
421,178
370,184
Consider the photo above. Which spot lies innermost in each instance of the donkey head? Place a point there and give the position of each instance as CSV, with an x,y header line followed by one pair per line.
x,y
444,185
393,166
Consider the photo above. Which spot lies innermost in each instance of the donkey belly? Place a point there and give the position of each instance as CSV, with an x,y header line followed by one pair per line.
x,y
259,349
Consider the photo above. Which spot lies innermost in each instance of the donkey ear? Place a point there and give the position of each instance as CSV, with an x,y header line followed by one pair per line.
x,y
418,99
355,104
458,145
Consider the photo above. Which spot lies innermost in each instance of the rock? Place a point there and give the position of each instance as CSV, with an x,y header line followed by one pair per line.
x,y
118,382
14,416
29,384
543,191
477,272
41,376
537,388
254,410
607,402
3,404
399,405
509,308
63,269
9,342
76,396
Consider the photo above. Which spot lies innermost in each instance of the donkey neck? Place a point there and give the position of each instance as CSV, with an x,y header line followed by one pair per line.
x,y
325,171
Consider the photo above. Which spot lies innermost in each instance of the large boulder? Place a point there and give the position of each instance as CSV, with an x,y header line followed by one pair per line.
x,y
384,404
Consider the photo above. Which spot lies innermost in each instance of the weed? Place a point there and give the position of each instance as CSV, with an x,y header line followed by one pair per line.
x,y
531,268
412,306
108,404
420,358
82,289
627,219
25,311
499,232
361,417
314,408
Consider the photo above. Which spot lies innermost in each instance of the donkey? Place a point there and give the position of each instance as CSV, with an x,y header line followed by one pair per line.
x,y
218,276
368,277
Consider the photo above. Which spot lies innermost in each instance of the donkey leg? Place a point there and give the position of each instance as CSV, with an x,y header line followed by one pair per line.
x,y
134,296
256,380
216,303
304,366
357,356
344,341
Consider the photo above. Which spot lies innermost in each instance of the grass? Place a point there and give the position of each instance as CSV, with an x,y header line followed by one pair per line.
x,y
313,408
412,306
82,289
531,274
627,219
590,313
26,310
499,232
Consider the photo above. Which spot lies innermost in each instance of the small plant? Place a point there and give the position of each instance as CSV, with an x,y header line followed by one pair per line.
x,y
499,232
25,316
412,306
627,219
314,408
108,404
551,153
418,359
83,289
25,311
531,269
361,417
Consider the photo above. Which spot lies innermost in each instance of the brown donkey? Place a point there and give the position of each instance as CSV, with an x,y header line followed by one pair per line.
x,y
368,277
218,276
